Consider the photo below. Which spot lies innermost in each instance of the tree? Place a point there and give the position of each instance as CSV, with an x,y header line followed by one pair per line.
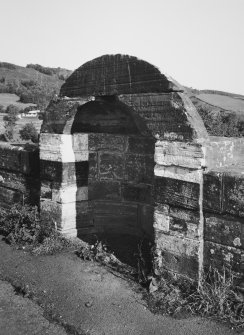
x,y
29,132
10,121
2,109
12,109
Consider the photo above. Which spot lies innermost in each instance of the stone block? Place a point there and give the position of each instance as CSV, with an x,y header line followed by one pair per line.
x,y
177,254
111,166
46,190
64,172
178,154
106,190
18,159
80,142
141,145
176,244
220,256
13,180
93,165
223,152
10,158
50,170
233,194
80,175
59,148
84,214
161,218
176,172
137,192
184,222
139,169
117,217
212,191
52,211
123,224
225,230
70,193
106,142
145,220
10,196
102,207
177,192
62,215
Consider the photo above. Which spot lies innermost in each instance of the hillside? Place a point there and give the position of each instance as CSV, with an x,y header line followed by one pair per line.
x,y
222,112
33,84
7,99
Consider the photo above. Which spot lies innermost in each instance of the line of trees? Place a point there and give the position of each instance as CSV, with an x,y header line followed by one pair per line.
x,y
28,131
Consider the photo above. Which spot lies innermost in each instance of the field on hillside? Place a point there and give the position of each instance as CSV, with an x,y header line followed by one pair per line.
x,y
20,124
222,101
7,99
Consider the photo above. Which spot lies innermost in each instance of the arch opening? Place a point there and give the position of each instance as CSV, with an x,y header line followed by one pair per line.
x,y
119,177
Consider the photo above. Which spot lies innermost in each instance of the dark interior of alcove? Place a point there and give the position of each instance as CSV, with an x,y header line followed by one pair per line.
x,y
120,177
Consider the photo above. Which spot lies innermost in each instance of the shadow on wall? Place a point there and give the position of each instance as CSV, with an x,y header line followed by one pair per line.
x,y
115,187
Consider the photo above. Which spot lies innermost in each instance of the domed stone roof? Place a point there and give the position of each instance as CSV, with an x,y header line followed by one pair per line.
x,y
116,74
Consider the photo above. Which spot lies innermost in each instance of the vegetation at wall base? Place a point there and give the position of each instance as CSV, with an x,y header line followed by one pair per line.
x,y
22,227
216,296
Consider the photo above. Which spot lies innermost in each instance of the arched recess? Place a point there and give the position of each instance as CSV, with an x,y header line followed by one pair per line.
x,y
97,167
119,175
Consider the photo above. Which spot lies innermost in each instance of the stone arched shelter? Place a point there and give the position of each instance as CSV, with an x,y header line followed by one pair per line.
x,y
124,150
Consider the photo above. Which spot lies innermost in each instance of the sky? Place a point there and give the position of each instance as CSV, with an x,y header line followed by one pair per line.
x,y
200,43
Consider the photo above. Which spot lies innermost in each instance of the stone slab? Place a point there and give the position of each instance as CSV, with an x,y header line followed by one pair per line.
x,y
106,190
220,256
177,255
177,192
64,172
224,229
139,168
109,142
181,173
137,192
233,194
111,166
212,191
141,145
178,154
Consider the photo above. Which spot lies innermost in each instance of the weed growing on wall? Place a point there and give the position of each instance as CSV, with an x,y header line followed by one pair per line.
x,y
217,296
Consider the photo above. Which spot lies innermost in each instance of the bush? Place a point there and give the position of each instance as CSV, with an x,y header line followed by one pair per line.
x,y
2,109
10,121
29,132
21,225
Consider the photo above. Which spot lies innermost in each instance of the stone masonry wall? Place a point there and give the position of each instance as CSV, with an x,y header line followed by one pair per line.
x,y
224,219
178,219
19,175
